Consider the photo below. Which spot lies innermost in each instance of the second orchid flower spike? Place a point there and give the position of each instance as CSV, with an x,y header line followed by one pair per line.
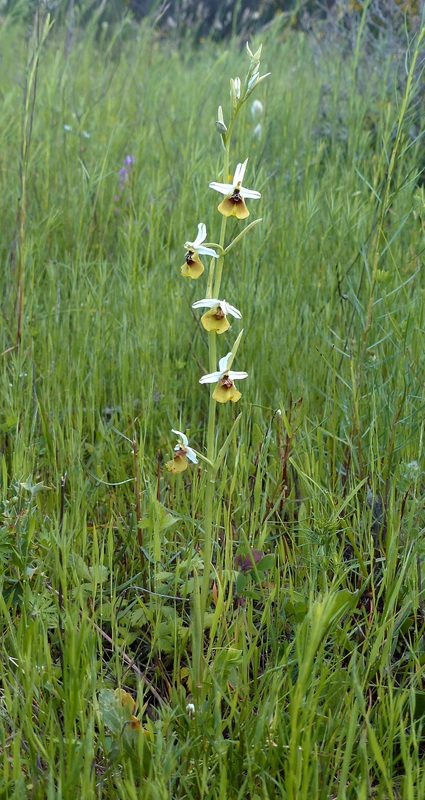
x,y
216,318
193,266
234,202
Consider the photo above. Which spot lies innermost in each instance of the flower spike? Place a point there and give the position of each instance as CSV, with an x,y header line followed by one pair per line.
x,y
225,389
234,202
182,454
193,266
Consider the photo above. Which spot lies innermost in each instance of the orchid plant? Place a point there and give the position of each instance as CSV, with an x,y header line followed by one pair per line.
x,y
215,320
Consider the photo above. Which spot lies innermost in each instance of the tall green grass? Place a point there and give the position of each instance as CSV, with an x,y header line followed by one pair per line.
x,y
313,658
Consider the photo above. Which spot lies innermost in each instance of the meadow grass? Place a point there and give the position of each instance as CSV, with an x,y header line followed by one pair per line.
x,y
312,659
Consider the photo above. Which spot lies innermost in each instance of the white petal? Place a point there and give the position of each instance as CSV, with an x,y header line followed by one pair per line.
x,y
228,309
183,437
207,251
237,376
222,364
207,302
236,177
223,188
191,455
202,235
250,193
210,302
212,377
239,173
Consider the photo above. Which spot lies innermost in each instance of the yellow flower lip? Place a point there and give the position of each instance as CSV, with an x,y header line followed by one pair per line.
x,y
193,266
234,206
216,318
226,390
178,463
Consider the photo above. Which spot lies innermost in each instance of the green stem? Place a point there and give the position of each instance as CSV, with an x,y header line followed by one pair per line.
x,y
220,262
211,472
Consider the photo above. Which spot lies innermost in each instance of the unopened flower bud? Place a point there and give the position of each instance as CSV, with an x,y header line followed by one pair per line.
x,y
220,125
255,57
254,78
235,91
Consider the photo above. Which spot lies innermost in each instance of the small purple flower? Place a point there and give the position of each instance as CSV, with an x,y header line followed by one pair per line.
x,y
124,174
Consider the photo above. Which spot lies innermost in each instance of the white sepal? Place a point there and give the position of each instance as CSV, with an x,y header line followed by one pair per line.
x,y
212,377
197,244
230,188
210,302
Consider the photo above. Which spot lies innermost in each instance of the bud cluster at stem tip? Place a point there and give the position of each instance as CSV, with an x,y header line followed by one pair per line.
x,y
240,91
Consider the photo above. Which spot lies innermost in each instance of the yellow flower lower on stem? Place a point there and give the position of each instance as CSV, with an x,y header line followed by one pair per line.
x,y
182,453
225,389
193,266
216,318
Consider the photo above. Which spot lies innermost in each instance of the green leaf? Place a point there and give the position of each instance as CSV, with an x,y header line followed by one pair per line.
x,y
242,581
110,711
267,562
163,517
223,450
